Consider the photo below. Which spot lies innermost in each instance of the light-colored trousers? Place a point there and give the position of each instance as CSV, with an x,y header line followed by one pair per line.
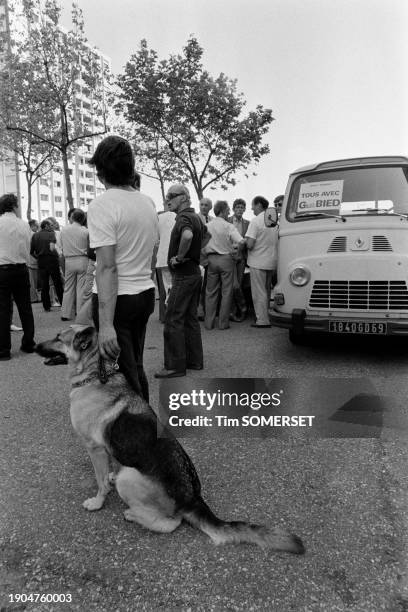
x,y
261,286
74,287
220,285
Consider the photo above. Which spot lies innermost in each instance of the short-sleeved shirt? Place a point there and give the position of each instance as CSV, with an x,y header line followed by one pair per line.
x,y
128,220
187,219
223,236
14,240
74,240
263,255
41,244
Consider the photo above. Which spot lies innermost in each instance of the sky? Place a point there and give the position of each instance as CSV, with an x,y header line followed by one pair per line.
x,y
334,72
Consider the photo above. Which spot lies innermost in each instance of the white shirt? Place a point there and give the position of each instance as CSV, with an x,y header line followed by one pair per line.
x,y
263,255
127,219
74,240
223,236
166,224
15,240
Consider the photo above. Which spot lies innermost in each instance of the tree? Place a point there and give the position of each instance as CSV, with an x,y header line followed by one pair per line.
x,y
41,85
199,118
34,160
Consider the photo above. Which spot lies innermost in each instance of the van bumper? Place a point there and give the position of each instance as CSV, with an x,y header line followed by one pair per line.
x,y
300,323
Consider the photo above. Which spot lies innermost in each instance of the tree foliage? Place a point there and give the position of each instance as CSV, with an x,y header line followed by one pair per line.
x,y
45,73
198,118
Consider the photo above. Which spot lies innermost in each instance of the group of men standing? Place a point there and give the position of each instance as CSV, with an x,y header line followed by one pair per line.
x,y
124,229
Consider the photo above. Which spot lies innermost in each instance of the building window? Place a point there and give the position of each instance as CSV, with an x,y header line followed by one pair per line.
x,y
89,175
44,197
57,183
58,199
58,213
43,181
45,213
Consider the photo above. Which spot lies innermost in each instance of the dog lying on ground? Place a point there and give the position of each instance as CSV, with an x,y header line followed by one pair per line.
x,y
156,479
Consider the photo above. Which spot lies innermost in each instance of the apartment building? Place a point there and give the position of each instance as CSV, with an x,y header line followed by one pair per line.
x,y
49,191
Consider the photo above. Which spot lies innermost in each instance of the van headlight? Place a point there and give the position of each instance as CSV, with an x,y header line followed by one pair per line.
x,y
299,276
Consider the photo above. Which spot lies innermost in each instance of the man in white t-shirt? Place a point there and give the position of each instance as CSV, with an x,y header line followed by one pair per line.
x,y
123,230
262,260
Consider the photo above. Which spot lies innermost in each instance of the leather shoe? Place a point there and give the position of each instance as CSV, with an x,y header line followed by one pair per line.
x,y
195,367
65,319
168,374
28,349
260,326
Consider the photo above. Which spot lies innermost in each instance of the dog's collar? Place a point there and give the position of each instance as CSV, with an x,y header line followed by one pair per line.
x,y
101,374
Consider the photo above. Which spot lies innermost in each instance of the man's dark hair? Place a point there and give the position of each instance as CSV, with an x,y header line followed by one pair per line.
x,y
219,207
238,202
114,161
46,224
79,216
8,203
279,199
262,201
33,222
70,212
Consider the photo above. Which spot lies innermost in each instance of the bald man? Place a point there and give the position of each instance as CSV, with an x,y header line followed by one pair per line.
x,y
182,334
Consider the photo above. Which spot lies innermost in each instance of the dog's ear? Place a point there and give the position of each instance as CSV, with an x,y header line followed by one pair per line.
x,y
83,338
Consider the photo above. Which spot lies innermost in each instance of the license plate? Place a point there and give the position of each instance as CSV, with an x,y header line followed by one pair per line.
x,y
358,327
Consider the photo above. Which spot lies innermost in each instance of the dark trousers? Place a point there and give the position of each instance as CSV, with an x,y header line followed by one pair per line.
x,y
48,265
15,284
182,333
132,313
239,306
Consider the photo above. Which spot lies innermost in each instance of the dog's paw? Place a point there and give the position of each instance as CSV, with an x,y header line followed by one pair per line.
x,y
93,503
112,478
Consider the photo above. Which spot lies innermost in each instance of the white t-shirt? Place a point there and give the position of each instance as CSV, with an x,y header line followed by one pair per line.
x,y
263,256
166,224
127,219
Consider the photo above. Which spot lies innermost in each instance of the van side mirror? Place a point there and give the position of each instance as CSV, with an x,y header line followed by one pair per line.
x,y
271,217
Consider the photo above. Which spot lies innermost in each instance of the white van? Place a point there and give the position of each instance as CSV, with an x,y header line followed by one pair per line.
x,y
343,249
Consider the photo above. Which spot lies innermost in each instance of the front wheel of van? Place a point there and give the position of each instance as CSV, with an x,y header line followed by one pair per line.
x,y
296,337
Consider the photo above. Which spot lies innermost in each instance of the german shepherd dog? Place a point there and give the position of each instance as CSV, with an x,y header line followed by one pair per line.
x,y
156,478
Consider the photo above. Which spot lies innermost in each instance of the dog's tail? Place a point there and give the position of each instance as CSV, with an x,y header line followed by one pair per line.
x,y
236,532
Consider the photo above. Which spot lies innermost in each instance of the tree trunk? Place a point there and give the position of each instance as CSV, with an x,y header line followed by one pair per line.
x,y
29,196
68,185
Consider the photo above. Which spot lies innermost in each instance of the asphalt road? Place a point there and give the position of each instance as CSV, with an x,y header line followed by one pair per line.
x,y
341,486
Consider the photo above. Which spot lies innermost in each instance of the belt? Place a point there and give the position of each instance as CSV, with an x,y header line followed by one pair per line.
x,y
12,266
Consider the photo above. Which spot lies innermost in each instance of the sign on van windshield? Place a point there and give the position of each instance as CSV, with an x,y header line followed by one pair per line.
x,y
323,196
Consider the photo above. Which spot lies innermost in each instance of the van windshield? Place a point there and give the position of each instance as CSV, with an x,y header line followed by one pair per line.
x,y
349,192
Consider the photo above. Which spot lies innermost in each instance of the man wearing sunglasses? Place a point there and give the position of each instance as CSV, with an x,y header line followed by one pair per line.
x,y
182,334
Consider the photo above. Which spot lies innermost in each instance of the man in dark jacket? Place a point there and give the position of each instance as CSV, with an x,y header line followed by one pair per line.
x,y
43,249
239,306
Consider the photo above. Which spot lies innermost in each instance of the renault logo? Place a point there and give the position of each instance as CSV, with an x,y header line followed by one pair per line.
x,y
359,243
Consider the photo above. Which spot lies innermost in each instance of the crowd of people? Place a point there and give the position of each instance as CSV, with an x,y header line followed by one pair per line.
x,y
99,268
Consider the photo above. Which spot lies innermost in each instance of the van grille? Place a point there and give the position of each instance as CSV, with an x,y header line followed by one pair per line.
x,y
359,295
378,243
338,245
